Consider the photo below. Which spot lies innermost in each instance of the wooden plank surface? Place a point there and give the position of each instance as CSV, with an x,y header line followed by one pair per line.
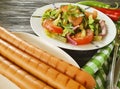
x,y
15,14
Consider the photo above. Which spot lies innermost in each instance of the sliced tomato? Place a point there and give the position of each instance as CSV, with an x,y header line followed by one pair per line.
x,y
48,24
84,40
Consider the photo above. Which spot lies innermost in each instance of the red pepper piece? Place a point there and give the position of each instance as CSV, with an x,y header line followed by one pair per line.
x,y
114,14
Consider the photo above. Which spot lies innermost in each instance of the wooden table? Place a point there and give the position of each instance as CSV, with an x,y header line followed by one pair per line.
x,y
15,16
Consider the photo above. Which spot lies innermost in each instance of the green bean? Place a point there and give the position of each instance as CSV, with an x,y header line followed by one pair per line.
x,y
95,4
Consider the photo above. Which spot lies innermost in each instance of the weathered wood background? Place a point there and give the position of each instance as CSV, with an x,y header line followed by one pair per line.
x,y
15,14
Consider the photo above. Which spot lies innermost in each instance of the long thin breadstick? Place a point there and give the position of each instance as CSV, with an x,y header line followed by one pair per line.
x,y
44,72
20,77
64,67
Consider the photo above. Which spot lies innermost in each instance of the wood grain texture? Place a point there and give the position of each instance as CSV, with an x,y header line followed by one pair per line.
x,y
15,14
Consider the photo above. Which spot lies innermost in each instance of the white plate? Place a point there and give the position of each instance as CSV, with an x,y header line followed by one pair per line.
x,y
38,29
34,40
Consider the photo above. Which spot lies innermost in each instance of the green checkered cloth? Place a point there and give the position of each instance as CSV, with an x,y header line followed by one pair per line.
x,y
98,66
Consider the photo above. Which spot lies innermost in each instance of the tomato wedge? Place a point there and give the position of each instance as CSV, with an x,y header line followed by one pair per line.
x,y
48,24
84,40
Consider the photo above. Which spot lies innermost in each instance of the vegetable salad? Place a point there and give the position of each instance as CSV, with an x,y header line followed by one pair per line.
x,y
72,24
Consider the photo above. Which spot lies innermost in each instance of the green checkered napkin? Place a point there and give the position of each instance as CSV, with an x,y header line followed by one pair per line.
x,y
98,66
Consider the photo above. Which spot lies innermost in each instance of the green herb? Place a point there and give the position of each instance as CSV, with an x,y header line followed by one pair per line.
x,y
91,22
64,18
51,13
68,29
47,14
56,21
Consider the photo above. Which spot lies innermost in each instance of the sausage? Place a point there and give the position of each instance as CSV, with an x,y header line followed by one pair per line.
x,y
39,69
20,77
62,66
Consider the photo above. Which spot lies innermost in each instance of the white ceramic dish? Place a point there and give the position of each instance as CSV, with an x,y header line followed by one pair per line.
x,y
6,84
39,30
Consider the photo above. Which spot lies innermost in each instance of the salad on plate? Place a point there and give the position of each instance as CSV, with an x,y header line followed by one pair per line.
x,y
72,24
